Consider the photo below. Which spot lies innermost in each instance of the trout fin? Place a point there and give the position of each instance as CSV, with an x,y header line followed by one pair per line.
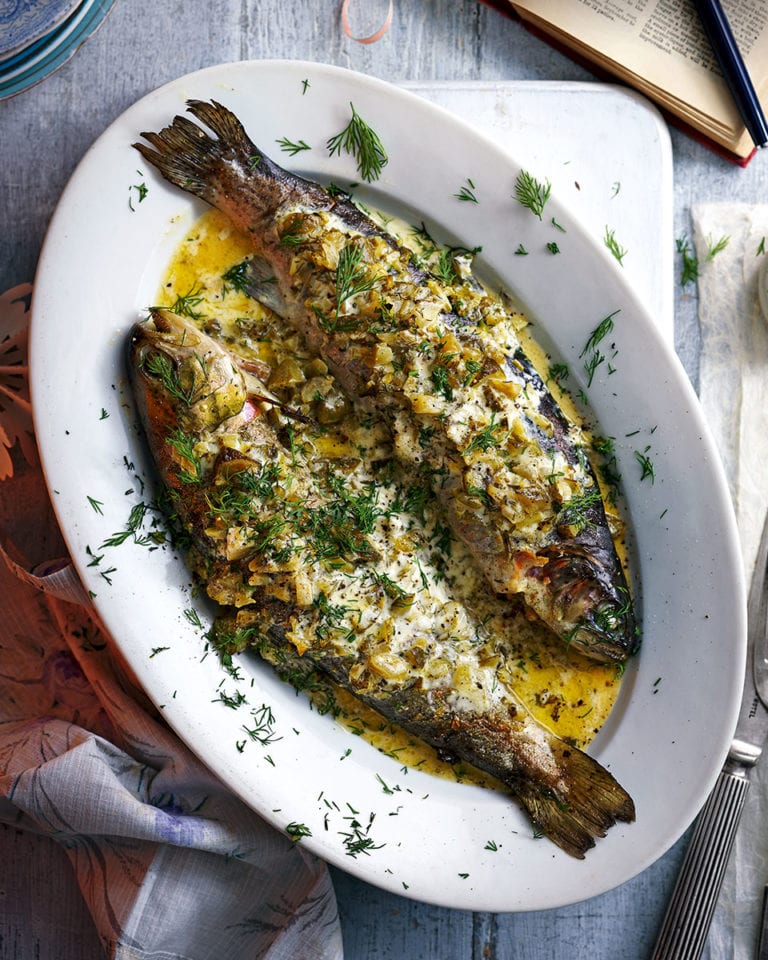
x,y
261,285
584,809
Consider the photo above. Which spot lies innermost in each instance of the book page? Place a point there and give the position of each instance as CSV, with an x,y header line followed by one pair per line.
x,y
663,42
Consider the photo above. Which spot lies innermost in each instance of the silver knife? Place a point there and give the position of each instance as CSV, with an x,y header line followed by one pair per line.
x,y
689,914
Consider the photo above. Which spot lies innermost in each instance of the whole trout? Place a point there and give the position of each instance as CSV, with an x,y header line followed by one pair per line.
x,y
440,360
314,575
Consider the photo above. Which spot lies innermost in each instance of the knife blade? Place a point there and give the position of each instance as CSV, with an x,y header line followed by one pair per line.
x,y
686,923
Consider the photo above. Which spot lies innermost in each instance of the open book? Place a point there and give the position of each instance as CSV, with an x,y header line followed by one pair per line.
x,y
660,48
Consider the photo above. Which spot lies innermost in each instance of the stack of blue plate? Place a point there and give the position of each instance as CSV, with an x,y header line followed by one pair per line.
x,y
38,36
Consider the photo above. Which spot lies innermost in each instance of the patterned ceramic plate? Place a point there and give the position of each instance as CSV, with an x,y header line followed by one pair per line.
x,y
39,60
24,22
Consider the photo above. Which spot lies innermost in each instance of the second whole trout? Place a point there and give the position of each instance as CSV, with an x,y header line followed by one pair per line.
x,y
440,362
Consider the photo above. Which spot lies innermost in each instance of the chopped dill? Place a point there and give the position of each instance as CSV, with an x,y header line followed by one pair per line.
x,y
646,464
441,381
357,839
298,830
141,192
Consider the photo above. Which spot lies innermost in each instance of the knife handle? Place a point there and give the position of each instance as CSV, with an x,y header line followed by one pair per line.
x,y
689,914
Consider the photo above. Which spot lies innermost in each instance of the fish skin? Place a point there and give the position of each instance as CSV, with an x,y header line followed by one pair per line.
x,y
533,534
570,797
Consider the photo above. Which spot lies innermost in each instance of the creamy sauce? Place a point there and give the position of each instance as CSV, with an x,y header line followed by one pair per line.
x,y
569,694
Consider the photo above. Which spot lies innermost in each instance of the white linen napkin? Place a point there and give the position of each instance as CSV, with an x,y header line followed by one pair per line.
x,y
169,862
734,394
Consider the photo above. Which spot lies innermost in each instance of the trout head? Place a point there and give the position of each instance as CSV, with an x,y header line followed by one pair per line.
x,y
592,606
182,379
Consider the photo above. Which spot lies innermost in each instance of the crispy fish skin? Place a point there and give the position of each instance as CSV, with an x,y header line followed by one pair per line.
x,y
441,362
211,444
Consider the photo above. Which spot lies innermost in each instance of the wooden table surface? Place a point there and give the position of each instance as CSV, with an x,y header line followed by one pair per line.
x,y
44,132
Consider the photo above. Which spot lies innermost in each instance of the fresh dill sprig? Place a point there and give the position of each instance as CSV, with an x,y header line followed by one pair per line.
x,y
351,278
716,246
532,193
132,530
236,278
467,193
574,512
184,304
363,143
193,617
184,445
558,373
485,439
263,730
291,147
646,464
298,830
441,381
521,251
591,364
614,246
690,268
159,365
600,332
292,236
443,267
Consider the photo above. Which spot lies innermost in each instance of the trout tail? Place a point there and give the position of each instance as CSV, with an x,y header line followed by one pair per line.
x,y
574,815
189,158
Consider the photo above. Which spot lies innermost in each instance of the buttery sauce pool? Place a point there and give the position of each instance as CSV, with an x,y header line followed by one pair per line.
x,y
569,694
